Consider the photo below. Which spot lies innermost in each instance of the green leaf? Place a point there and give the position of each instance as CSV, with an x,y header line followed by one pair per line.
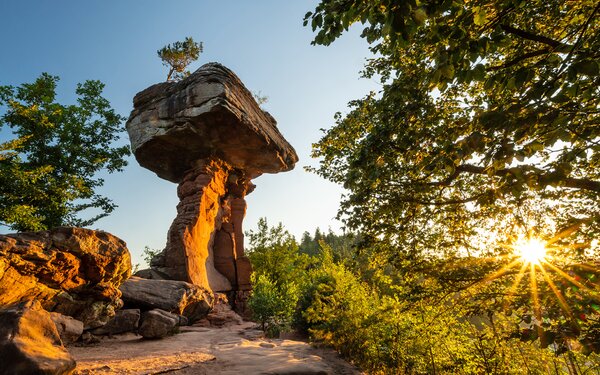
x,y
479,16
587,67
447,71
479,72
521,77
420,16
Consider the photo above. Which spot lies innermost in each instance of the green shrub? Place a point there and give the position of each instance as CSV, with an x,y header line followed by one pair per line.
x,y
272,305
388,320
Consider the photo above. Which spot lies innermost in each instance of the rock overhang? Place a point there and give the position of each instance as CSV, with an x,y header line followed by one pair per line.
x,y
210,114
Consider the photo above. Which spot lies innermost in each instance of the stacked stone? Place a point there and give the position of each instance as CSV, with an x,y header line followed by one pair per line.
x,y
208,134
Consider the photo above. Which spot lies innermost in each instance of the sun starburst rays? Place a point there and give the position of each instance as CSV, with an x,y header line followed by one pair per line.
x,y
537,260
531,250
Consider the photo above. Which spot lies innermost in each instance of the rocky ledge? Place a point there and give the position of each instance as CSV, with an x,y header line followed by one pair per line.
x,y
73,271
208,114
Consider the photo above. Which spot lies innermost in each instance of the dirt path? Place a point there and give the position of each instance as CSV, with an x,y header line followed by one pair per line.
x,y
196,350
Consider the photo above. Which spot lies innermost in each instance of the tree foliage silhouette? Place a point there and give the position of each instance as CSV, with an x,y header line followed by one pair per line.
x,y
486,129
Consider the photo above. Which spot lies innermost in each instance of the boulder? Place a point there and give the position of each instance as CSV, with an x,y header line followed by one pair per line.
x,y
72,271
30,343
222,314
158,323
179,297
210,113
88,338
149,273
126,320
69,329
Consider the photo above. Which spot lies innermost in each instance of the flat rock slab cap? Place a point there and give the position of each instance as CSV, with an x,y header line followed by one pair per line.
x,y
209,114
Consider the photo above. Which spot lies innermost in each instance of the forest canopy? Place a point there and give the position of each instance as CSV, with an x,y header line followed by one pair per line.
x,y
485,134
489,109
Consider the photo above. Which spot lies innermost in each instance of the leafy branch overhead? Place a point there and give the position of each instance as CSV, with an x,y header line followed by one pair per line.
x,y
487,128
178,56
482,101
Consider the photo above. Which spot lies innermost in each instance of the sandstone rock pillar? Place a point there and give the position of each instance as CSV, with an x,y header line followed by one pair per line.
x,y
208,134
187,256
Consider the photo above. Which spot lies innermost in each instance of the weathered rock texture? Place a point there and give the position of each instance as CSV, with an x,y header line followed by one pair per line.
x,y
72,271
158,323
208,114
30,343
221,314
179,297
208,134
126,320
69,329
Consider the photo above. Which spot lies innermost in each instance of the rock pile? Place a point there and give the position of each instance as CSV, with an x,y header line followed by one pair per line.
x,y
178,297
208,134
156,308
72,271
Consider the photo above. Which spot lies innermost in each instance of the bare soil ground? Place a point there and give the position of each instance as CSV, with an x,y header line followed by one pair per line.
x,y
237,349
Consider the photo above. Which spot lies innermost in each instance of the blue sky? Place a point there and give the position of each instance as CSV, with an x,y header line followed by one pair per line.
x,y
263,42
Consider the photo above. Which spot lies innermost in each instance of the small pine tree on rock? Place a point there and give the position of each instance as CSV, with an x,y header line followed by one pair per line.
x,y
178,56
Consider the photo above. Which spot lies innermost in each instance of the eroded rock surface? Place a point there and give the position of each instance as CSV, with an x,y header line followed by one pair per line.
x,y
69,329
72,271
208,114
208,134
30,343
126,320
157,324
179,297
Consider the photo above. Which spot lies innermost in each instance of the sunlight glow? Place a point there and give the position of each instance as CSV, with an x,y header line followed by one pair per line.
x,y
531,250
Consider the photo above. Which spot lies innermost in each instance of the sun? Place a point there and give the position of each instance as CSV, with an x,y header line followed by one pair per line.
x,y
531,250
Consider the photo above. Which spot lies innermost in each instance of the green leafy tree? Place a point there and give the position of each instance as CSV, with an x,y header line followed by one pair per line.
x,y
178,56
393,320
486,129
280,272
48,172
342,245
273,251
273,303
482,102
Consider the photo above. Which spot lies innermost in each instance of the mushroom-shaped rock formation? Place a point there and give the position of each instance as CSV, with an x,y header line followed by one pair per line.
x,y
208,134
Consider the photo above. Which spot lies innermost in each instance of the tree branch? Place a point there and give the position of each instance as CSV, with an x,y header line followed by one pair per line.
x,y
535,37
569,182
445,202
517,60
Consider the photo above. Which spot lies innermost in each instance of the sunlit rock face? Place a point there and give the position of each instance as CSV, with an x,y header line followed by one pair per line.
x,y
30,342
72,271
208,134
